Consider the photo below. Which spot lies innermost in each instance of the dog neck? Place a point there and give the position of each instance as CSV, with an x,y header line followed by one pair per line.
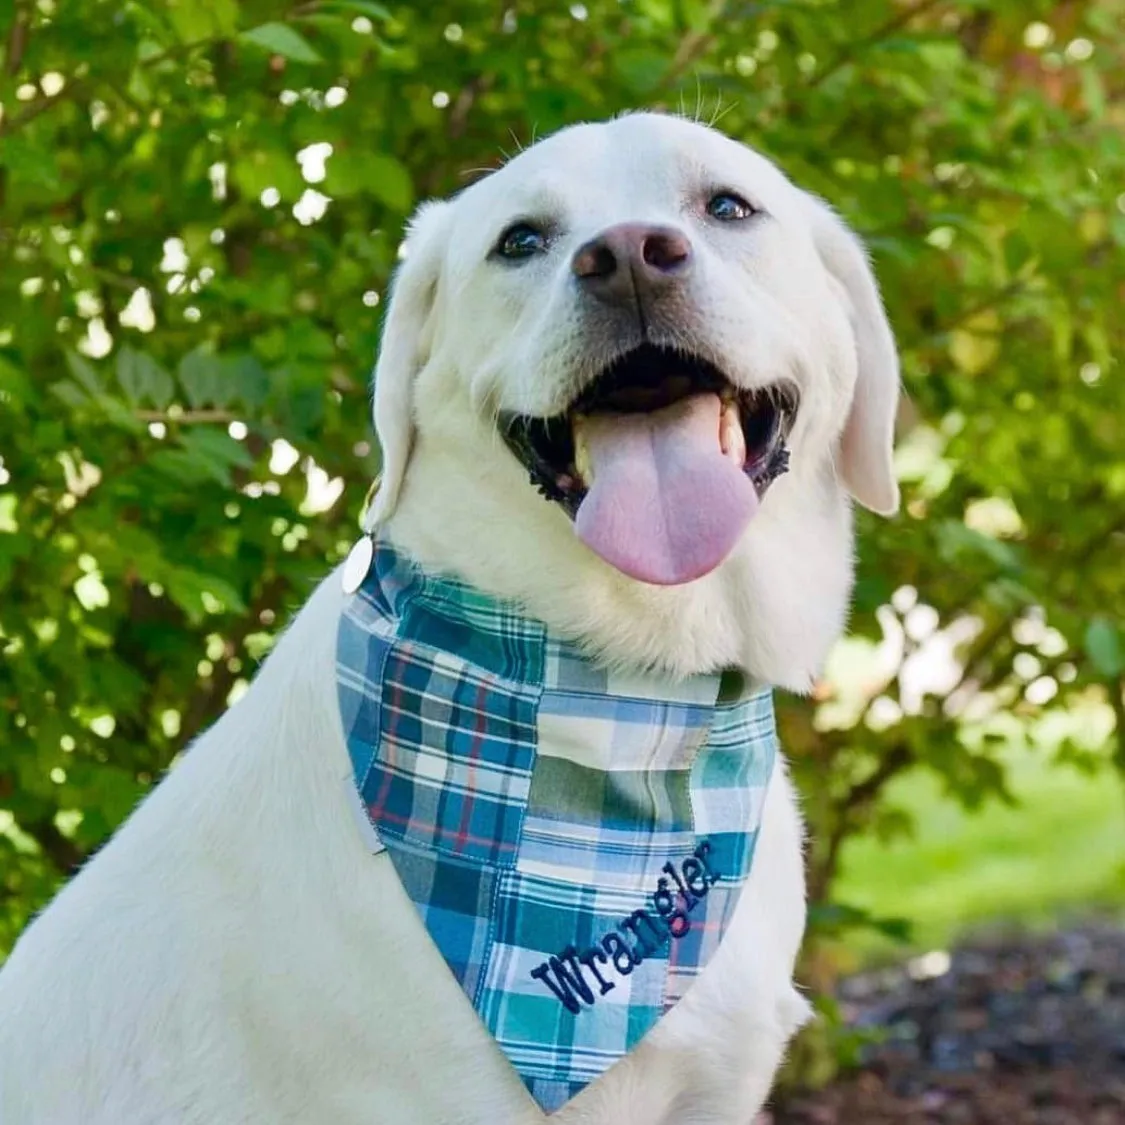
x,y
773,609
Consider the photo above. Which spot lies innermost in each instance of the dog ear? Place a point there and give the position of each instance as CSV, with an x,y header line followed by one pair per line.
x,y
867,444
404,350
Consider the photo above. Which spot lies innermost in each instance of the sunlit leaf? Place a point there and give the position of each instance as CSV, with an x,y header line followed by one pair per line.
x,y
1105,647
281,40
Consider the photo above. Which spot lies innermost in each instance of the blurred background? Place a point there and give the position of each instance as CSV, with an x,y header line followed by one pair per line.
x,y
200,204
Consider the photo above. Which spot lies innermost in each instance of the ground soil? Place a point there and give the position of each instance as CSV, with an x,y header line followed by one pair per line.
x,y
1004,1031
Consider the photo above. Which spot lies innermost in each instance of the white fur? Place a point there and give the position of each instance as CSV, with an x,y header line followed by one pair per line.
x,y
234,954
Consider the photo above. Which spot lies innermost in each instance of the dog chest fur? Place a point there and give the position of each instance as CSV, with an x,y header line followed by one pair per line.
x,y
247,959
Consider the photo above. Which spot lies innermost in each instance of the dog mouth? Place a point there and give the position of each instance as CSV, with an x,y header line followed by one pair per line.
x,y
653,455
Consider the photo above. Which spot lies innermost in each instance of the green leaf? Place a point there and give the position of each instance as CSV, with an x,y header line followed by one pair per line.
x,y
69,393
362,7
1105,648
113,792
281,40
203,380
15,386
149,21
205,453
263,168
8,522
354,172
941,54
84,372
247,379
271,296
209,443
196,21
139,88
121,416
391,182
185,468
956,541
143,379
835,918
1093,92
34,164
641,70
192,591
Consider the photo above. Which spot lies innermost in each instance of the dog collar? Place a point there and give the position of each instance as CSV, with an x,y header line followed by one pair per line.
x,y
575,839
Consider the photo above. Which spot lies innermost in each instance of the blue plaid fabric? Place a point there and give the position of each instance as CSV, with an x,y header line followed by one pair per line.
x,y
575,839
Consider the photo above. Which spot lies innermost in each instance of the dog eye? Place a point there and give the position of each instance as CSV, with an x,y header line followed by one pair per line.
x,y
729,208
521,240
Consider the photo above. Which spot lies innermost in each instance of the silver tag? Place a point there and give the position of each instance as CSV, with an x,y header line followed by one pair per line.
x,y
358,563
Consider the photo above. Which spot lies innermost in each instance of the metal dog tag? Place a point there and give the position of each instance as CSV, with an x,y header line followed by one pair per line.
x,y
358,564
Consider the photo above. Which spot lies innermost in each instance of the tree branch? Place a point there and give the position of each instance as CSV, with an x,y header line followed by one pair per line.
x,y
17,41
989,641
31,111
180,50
1117,702
864,792
464,102
884,31
995,299
858,798
80,85
63,852
693,45
186,417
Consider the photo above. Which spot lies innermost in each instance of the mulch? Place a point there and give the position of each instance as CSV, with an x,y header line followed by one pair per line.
x,y
1003,1031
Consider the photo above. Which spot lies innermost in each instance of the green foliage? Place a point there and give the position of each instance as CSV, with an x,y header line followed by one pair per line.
x,y
1057,852
201,204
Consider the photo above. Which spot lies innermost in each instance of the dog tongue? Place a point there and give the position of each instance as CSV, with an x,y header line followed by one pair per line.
x,y
665,505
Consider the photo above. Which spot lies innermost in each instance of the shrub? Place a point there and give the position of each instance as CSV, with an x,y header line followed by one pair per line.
x,y
200,207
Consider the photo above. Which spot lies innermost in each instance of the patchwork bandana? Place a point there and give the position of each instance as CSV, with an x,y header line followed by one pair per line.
x,y
575,839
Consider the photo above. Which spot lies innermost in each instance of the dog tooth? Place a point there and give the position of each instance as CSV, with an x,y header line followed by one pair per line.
x,y
582,464
724,429
732,441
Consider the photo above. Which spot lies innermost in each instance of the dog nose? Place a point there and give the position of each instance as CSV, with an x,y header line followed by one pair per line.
x,y
631,260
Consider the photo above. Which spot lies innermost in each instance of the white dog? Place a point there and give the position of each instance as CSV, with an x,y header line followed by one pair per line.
x,y
644,315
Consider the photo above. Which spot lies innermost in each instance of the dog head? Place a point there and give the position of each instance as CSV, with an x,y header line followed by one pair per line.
x,y
637,363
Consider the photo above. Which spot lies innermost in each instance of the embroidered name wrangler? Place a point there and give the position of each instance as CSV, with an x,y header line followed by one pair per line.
x,y
574,839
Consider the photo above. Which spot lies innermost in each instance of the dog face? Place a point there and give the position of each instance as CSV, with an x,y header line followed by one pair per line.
x,y
632,331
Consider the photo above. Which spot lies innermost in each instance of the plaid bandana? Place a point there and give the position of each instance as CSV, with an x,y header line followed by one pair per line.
x,y
575,839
